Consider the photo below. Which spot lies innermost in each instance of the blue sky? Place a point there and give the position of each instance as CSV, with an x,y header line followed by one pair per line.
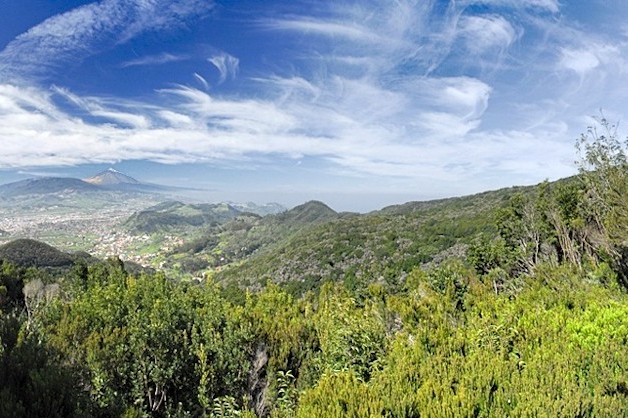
x,y
358,103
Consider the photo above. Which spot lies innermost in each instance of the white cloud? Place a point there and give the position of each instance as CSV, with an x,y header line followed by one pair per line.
x,y
580,61
226,64
199,127
202,81
158,59
483,33
350,31
590,56
175,120
85,30
123,118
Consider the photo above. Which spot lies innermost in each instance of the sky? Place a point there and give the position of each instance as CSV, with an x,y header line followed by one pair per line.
x,y
360,104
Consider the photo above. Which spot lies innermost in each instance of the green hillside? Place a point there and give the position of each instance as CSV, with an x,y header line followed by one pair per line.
x,y
311,243
381,246
176,217
215,235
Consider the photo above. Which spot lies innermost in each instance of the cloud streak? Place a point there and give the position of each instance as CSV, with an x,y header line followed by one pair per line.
x,y
482,33
72,36
226,65
163,58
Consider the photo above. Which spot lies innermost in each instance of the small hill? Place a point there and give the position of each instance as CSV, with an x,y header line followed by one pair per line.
x,y
32,253
262,210
178,216
248,235
309,212
111,177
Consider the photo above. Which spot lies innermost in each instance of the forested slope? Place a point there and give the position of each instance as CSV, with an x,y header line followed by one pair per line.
x,y
359,249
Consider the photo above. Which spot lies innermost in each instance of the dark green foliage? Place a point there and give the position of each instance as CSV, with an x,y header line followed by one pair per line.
x,y
486,255
11,285
604,172
35,382
149,343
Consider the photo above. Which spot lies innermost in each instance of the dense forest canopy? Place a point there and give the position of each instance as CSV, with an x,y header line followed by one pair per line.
x,y
532,320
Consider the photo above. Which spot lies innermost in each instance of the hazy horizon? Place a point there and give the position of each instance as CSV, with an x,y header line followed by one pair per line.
x,y
361,203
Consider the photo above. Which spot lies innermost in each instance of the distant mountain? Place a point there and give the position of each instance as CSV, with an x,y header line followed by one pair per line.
x,y
107,181
46,185
111,177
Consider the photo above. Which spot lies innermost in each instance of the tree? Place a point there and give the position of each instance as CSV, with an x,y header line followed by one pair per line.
x,y
523,227
603,167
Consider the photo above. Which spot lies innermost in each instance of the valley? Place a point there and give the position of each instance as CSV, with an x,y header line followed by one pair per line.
x,y
73,223
114,215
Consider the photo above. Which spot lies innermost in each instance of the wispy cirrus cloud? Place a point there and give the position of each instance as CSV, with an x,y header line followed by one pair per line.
x,y
337,29
99,108
552,6
199,78
158,59
589,55
197,127
72,36
227,65
482,33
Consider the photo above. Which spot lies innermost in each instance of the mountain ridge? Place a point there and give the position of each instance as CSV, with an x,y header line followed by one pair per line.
x,y
110,177
109,180
46,185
